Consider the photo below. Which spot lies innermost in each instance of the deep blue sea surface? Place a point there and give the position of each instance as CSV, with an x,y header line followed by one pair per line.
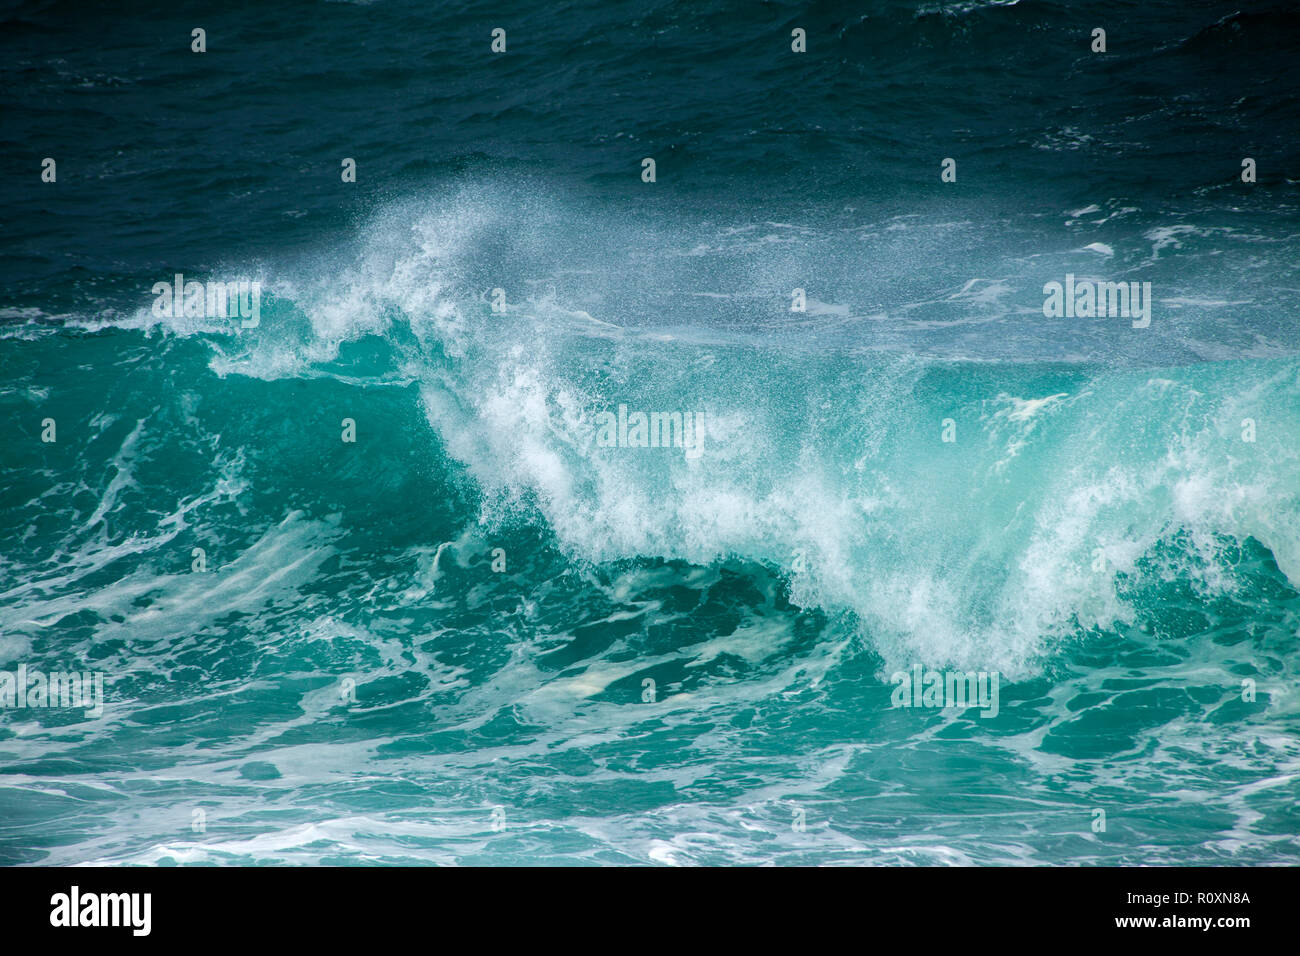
x,y
364,579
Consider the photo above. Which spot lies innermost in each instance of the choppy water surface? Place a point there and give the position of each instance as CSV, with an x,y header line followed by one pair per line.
x,y
478,635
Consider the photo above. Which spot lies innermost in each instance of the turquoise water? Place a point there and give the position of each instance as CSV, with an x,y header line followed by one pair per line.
x,y
474,634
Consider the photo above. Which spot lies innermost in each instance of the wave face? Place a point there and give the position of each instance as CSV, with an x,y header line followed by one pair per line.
x,y
375,580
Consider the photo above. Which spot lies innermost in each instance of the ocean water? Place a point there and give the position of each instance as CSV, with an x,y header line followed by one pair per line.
x,y
365,583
